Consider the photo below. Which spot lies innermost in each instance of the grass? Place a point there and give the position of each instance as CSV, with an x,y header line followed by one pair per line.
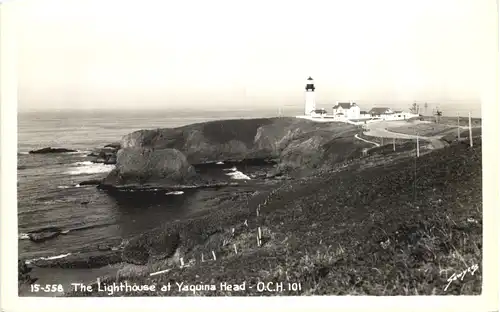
x,y
383,141
424,129
464,134
359,230
452,121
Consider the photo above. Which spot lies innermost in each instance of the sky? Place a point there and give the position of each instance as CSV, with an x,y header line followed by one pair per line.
x,y
251,53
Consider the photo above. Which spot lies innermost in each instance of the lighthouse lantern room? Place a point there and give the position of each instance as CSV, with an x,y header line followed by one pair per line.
x,y
310,104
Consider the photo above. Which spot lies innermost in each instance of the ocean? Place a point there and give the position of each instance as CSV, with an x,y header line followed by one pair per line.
x,y
49,193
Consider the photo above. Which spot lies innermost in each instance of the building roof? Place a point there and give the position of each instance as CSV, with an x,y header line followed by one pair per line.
x,y
320,111
363,112
398,112
344,105
309,78
379,110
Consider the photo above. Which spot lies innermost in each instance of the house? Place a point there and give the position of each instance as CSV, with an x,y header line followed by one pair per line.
x,y
380,111
400,115
386,113
319,112
347,110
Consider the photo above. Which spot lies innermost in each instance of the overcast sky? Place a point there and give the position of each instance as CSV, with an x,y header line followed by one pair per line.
x,y
171,54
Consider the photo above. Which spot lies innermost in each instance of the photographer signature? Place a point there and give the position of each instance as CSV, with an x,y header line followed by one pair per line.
x,y
472,269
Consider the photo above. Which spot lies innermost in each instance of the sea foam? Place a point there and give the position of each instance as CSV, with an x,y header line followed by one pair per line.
x,y
48,258
24,236
236,175
175,193
88,167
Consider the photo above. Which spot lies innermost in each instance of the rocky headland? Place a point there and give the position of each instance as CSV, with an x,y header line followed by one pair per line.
x,y
166,157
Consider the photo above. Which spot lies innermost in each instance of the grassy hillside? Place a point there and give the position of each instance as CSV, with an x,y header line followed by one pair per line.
x,y
424,129
453,121
358,230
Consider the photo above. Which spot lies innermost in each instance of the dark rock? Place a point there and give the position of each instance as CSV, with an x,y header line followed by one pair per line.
x,y
145,165
40,237
85,203
50,150
22,273
87,260
90,182
99,160
23,268
103,247
106,155
44,234
111,160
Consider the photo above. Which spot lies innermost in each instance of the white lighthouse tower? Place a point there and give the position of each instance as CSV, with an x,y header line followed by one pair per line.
x,y
310,104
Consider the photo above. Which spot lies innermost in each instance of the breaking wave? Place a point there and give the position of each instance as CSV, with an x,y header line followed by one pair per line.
x,y
175,193
236,175
88,167
48,258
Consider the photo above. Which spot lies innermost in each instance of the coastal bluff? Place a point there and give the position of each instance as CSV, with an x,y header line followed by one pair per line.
x,y
165,157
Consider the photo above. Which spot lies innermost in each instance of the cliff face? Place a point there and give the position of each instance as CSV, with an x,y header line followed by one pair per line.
x,y
166,155
139,165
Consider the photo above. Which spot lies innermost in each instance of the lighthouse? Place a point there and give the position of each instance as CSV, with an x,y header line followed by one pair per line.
x,y
310,104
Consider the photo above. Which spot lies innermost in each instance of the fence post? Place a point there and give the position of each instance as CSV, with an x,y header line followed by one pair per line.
x,y
213,254
470,130
458,124
394,144
418,147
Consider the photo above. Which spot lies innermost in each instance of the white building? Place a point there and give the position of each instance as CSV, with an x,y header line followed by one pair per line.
x,y
346,110
310,105
386,113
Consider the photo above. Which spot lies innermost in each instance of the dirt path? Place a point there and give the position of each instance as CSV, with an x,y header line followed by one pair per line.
x,y
379,129
357,137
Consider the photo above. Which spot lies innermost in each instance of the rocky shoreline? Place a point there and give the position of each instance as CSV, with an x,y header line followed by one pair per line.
x,y
165,160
